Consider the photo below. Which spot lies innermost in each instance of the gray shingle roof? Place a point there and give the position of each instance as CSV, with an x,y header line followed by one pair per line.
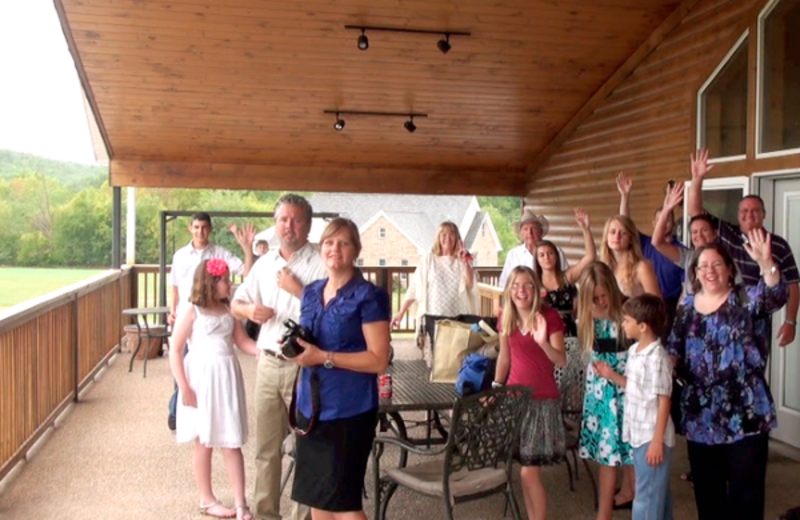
x,y
418,216
472,234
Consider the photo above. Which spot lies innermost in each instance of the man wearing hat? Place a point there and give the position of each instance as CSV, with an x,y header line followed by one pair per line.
x,y
531,228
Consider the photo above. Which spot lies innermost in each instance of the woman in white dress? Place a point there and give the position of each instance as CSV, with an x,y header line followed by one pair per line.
x,y
444,283
212,411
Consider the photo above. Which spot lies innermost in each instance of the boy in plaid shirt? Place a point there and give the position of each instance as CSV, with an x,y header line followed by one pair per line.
x,y
647,425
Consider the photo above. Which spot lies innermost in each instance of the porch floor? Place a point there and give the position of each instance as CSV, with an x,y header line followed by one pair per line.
x,y
113,457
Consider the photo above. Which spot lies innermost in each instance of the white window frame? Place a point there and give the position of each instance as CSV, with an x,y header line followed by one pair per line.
x,y
701,105
721,183
382,233
762,18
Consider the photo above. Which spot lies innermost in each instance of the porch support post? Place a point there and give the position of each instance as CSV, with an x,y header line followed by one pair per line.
x,y
116,228
130,227
162,261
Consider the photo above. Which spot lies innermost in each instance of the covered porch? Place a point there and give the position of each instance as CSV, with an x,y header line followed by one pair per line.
x,y
112,456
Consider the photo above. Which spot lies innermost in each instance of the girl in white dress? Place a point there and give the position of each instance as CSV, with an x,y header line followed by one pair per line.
x,y
211,400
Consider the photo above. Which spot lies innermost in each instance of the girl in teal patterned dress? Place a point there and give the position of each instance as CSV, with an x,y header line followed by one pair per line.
x,y
599,319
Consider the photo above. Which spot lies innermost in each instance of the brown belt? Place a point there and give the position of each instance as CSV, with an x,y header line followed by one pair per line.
x,y
276,355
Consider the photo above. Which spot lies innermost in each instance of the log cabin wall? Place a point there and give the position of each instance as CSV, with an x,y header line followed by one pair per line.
x,y
645,127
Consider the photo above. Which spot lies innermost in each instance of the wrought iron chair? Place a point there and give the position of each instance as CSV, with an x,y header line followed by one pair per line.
x,y
571,384
477,456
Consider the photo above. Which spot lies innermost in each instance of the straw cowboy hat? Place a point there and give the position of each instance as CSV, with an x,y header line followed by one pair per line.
x,y
529,216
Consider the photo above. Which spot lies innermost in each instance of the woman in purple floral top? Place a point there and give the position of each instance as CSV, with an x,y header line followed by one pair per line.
x,y
726,406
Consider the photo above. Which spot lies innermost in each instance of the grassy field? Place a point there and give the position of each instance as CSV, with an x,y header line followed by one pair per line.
x,y
18,284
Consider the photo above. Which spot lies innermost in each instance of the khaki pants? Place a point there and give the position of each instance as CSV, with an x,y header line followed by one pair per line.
x,y
273,392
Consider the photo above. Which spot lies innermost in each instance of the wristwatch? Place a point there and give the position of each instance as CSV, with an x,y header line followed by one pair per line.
x,y
496,384
771,270
329,361
793,323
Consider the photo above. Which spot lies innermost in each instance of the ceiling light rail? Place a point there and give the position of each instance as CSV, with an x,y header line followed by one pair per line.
x,y
339,124
443,45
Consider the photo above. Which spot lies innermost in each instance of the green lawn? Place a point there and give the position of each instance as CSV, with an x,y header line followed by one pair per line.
x,y
18,284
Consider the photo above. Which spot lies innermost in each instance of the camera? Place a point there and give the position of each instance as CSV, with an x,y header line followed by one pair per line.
x,y
289,345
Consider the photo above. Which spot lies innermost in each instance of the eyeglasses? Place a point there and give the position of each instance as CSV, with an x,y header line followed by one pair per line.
x,y
527,286
716,266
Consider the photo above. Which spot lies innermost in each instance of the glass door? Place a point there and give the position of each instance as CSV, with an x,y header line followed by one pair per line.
x,y
785,361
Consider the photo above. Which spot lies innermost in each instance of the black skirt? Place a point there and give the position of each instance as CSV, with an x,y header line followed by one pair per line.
x,y
332,461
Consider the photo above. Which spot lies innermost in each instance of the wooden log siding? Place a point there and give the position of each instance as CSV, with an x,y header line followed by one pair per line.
x,y
646,127
51,349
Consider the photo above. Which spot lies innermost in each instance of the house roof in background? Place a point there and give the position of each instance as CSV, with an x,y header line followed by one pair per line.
x,y
418,216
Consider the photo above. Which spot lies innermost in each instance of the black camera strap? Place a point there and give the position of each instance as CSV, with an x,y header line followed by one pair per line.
x,y
294,414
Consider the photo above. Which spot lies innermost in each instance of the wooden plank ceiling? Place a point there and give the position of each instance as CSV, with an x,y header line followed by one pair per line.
x,y
231,93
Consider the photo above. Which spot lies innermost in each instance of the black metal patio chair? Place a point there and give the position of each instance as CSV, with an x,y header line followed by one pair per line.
x,y
476,460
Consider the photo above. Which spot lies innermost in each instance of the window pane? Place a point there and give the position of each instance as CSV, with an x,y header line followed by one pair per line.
x,y
780,106
723,204
724,108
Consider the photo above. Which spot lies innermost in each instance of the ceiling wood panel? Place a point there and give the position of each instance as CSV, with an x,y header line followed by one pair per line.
x,y
246,81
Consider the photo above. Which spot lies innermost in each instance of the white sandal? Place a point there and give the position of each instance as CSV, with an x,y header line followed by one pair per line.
x,y
243,512
205,507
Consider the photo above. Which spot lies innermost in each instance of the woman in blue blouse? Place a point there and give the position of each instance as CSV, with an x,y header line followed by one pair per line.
x,y
726,406
337,391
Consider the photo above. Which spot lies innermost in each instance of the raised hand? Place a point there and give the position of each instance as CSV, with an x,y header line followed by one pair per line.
x,y
245,235
700,166
674,197
759,247
624,184
582,218
539,330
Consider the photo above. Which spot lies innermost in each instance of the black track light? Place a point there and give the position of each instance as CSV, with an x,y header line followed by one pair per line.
x,y
444,45
339,124
363,41
410,126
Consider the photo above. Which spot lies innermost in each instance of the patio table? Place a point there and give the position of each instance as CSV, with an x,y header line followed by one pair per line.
x,y
139,316
412,391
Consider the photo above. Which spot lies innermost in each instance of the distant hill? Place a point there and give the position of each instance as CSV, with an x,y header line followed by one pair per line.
x,y
70,174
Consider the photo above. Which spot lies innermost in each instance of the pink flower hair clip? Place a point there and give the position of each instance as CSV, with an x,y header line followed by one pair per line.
x,y
217,267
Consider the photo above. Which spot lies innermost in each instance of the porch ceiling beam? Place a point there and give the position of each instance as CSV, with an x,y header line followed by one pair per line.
x,y
157,174
650,44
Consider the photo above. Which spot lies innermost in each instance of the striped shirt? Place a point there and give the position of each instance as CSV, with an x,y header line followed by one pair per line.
x,y
732,239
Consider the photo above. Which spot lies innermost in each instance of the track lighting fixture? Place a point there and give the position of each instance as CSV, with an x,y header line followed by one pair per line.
x,y
409,125
363,41
443,44
339,124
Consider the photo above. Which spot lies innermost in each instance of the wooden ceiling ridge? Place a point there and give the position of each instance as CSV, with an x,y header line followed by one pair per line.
x,y
638,56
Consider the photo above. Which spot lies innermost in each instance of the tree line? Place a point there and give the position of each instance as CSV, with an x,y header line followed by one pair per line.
x,y
59,214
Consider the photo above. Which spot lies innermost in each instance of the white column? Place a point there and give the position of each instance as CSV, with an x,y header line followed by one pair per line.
x,y
130,235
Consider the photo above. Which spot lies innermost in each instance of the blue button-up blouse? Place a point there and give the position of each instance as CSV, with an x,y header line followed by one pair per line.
x,y
337,328
722,359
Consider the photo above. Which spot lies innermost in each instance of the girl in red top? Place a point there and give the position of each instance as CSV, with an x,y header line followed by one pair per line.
x,y
531,345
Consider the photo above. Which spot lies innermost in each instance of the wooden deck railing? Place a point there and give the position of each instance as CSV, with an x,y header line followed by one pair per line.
x,y
50,349
394,279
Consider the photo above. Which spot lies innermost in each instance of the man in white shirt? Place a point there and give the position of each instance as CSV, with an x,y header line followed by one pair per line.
x,y
269,295
531,229
185,262
186,259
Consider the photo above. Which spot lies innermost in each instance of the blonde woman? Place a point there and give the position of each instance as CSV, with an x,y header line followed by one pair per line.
x,y
531,346
600,331
444,283
621,251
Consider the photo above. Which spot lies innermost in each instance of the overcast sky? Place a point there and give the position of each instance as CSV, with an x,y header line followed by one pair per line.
x,y
41,107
